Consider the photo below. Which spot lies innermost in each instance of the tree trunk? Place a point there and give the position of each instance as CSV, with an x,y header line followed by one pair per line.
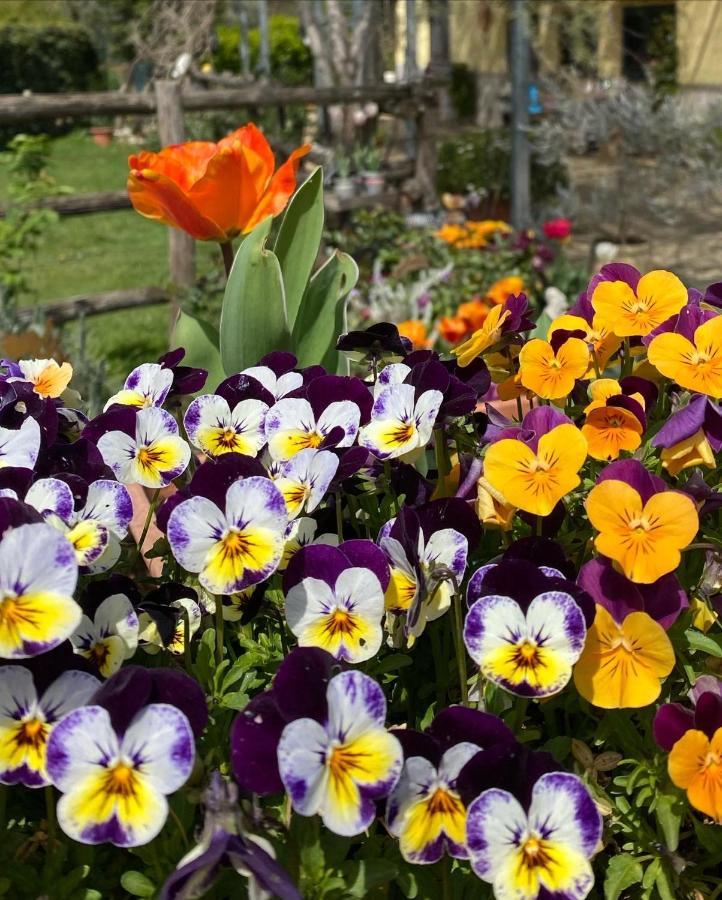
x,y
520,150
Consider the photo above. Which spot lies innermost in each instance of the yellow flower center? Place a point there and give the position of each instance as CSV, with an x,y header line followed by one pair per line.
x,y
535,854
120,780
314,439
148,457
712,760
443,802
98,654
341,622
11,613
32,733
227,438
343,761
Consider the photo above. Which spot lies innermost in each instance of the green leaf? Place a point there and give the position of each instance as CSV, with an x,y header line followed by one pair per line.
x,y
253,318
703,642
298,240
669,811
200,340
362,875
136,884
622,872
322,314
542,327
235,700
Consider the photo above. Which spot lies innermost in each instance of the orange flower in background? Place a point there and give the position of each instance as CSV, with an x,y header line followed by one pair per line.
x,y
695,365
213,191
629,312
475,313
416,332
504,288
472,234
621,666
695,765
453,328
552,375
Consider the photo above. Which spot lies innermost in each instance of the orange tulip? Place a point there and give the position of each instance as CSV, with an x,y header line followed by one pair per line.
x,y
415,331
213,191
475,312
453,328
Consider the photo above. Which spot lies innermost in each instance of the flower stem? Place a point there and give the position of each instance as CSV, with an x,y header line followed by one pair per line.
x,y
50,816
443,463
219,631
148,519
227,252
519,408
460,648
595,361
339,517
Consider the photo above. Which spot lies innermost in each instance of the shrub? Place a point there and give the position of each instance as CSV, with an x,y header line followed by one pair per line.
x,y
291,61
481,161
463,91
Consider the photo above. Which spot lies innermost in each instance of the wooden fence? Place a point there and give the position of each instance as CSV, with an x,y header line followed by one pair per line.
x,y
412,101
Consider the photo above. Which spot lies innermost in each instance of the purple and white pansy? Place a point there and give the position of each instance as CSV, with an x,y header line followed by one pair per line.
x,y
114,786
401,420
523,630
97,527
304,479
540,852
145,448
234,547
110,636
147,385
327,416
335,598
216,427
27,720
339,768
38,575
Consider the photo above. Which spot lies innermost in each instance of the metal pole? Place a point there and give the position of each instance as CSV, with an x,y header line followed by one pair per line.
x,y
264,62
520,149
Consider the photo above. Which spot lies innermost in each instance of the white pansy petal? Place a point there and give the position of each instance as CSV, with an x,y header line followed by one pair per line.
x,y
302,764
285,425
153,424
556,623
161,739
247,417
425,413
417,776
78,746
360,592
19,447
563,811
448,548
69,691
116,616
36,558
51,495
394,373
341,414
256,501
17,691
194,527
306,602
109,503
495,826
491,623
356,704
454,760
290,381
118,450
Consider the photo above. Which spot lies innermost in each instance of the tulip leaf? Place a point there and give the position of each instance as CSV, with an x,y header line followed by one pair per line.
x,y
200,340
253,317
323,310
298,240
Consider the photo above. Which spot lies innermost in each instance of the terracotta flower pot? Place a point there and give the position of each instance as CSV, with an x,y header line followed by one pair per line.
x,y
102,135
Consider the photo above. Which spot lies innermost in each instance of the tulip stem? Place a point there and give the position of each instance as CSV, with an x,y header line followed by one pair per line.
x,y
227,251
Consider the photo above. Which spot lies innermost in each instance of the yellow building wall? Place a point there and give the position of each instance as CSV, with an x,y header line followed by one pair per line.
x,y
699,42
477,33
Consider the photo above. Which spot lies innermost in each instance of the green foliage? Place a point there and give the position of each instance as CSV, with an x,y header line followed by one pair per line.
x,y
270,303
291,61
463,91
481,161
24,226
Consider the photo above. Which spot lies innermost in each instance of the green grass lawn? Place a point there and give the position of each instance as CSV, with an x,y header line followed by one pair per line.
x,y
105,252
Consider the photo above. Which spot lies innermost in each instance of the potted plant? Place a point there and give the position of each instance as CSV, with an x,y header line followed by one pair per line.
x,y
102,135
344,186
368,163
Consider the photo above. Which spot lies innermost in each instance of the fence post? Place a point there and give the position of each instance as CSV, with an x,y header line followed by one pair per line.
x,y
171,129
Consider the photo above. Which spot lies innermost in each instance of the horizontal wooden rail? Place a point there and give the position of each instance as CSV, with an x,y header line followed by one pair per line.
x,y
95,304
82,204
15,108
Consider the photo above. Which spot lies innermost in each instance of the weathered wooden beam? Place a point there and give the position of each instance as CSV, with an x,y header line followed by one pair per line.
x,y
83,204
16,108
60,311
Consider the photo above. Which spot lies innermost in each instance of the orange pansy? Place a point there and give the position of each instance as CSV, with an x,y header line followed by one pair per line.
x,y
659,295
621,665
611,429
536,482
644,538
491,508
695,365
604,343
695,764
552,375
693,451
